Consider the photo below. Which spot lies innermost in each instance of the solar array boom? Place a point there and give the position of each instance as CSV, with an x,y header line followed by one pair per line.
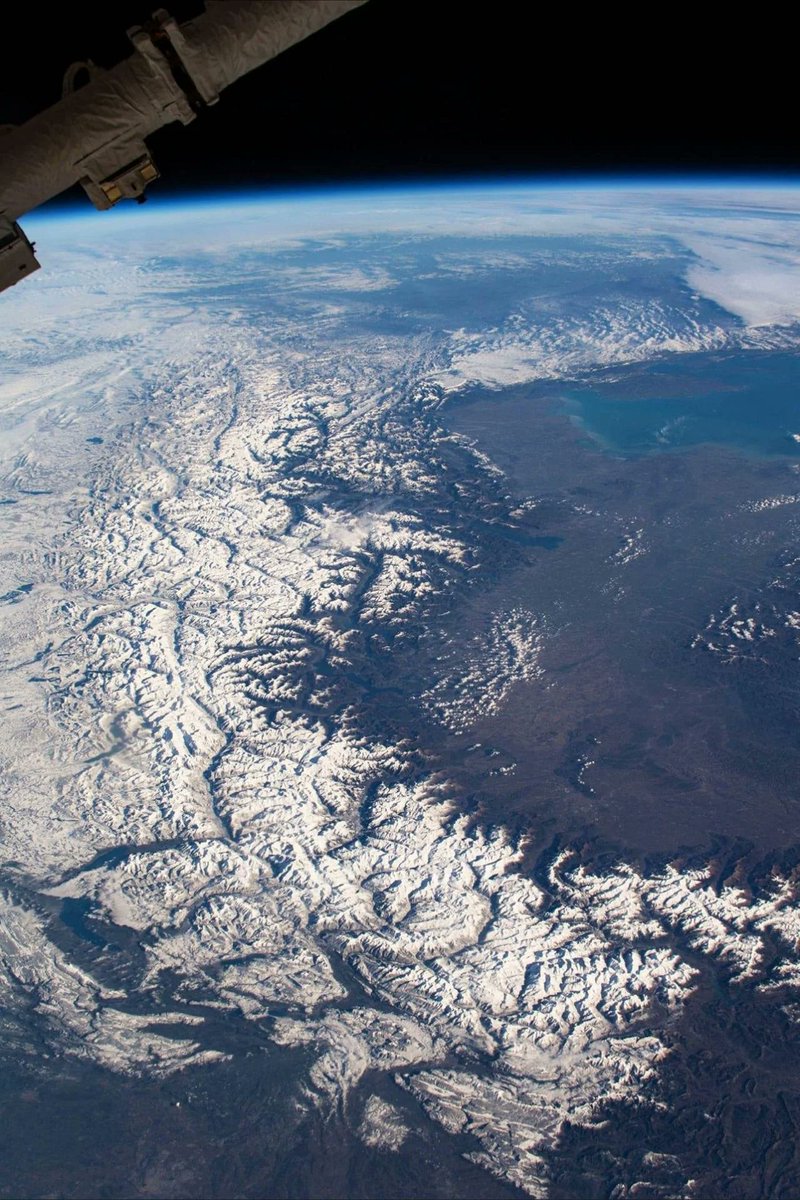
x,y
96,134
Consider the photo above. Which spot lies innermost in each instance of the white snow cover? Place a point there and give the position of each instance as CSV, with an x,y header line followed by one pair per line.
x,y
382,1125
170,686
475,678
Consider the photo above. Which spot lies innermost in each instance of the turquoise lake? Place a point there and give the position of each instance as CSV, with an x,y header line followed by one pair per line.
x,y
747,400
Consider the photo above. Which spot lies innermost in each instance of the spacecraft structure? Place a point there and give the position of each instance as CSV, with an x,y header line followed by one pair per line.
x,y
96,134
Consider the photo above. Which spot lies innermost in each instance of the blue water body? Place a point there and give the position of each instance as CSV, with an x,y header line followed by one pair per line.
x,y
74,913
747,400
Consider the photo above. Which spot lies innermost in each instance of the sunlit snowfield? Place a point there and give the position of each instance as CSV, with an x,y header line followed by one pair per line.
x,y
401,611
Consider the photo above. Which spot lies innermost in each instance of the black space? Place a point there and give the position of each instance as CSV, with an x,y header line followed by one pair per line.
x,y
406,88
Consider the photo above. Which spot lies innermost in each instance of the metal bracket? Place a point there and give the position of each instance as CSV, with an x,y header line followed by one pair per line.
x,y
127,183
17,259
142,40
168,35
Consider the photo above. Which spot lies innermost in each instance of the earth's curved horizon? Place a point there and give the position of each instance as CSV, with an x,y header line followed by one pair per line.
x,y
402,609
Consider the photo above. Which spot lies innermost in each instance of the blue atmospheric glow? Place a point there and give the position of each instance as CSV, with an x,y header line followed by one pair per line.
x,y
75,206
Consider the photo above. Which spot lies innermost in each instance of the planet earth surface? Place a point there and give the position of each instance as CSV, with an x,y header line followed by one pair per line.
x,y
401,625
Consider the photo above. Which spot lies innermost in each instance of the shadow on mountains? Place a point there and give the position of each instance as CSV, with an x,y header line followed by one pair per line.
x,y
724,1111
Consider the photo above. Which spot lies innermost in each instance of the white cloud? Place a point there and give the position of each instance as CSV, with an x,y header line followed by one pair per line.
x,y
758,282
